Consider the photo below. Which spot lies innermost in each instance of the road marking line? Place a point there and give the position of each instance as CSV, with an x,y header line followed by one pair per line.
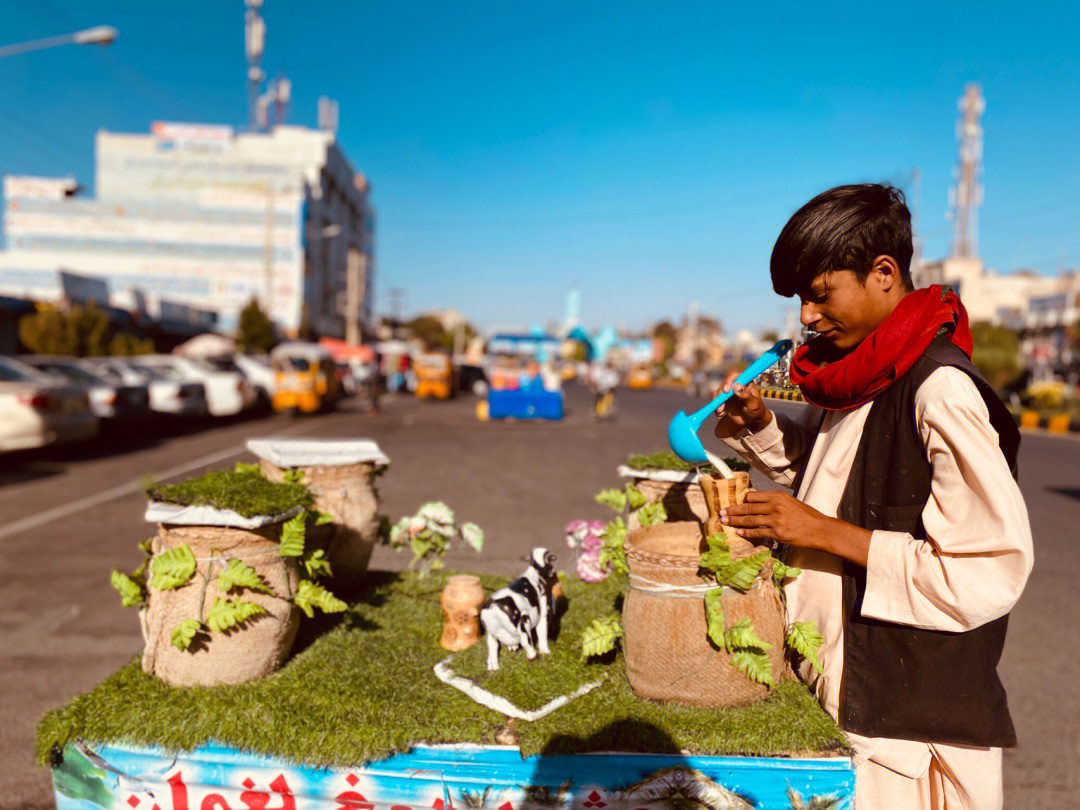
x,y
49,515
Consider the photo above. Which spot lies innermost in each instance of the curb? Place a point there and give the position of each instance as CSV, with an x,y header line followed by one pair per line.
x,y
790,394
1053,423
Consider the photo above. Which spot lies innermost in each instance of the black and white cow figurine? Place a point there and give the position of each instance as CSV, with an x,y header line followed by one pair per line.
x,y
519,615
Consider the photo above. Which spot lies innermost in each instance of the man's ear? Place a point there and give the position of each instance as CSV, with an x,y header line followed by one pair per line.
x,y
886,273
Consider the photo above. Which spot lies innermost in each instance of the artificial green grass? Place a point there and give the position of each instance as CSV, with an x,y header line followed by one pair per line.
x,y
363,688
667,460
245,491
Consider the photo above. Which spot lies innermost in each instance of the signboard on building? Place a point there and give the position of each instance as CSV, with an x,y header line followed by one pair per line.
x,y
81,289
212,135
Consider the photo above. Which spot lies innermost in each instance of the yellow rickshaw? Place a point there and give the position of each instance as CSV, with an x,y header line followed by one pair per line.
x,y
305,377
434,376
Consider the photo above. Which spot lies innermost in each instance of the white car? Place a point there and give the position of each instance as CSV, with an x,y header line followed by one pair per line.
x,y
37,409
167,396
259,373
227,390
111,399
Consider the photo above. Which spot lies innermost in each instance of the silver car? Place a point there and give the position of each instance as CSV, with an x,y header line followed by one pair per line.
x,y
38,409
167,396
111,398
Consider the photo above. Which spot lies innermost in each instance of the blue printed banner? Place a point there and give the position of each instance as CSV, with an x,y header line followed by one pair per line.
x,y
466,777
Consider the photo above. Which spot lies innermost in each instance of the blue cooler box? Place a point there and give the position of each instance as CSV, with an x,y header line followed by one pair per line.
x,y
525,403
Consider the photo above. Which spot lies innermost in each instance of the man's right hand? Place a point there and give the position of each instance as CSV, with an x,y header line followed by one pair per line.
x,y
745,409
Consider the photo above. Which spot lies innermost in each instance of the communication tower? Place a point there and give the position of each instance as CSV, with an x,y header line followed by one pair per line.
x,y
254,42
967,196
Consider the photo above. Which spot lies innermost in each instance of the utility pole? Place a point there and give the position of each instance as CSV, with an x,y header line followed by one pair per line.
x,y
968,194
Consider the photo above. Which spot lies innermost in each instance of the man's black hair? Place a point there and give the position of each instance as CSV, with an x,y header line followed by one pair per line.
x,y
844,228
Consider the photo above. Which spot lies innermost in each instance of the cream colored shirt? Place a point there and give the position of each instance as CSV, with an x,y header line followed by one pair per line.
x,y
971,568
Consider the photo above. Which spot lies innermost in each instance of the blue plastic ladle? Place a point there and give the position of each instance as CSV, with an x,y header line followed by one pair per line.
x,y
682,432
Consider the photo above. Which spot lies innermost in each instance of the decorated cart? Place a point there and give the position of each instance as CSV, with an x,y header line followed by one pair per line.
x,y
377,705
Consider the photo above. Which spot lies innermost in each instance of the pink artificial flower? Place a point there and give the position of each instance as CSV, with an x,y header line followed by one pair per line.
x,y
589,568
575,531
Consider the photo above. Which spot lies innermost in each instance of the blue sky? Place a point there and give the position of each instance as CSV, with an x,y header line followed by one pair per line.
x,y
645,153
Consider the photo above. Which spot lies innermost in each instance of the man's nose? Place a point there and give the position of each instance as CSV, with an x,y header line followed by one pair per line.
x,y
808,313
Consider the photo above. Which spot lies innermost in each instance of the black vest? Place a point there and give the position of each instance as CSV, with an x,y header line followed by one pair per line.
x,y
901,682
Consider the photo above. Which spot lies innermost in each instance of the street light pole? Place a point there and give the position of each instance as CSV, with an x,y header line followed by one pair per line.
x,y
98,35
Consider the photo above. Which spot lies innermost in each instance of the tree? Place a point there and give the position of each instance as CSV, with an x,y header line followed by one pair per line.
x,y
997,354
665,333
125,343
255,331
429,330
80,331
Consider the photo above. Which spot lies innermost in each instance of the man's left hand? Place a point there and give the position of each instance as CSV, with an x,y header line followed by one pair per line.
x,y
776,515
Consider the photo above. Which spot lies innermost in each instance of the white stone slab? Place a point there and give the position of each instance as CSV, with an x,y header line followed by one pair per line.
x,y
162,512
668,476
322,452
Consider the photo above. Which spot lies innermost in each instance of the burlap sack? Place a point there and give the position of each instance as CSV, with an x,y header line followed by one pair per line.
x,y
669,656
347,493
253,650
682,500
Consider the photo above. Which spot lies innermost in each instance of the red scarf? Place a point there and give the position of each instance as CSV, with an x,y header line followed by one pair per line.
x,y
841,382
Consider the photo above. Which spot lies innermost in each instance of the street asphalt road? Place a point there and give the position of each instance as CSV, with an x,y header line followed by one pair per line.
x,y
71,515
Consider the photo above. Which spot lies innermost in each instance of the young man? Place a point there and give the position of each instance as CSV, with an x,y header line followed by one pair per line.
x,y
906,520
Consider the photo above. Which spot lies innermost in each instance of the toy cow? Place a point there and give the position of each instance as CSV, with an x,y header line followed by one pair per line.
x,y
519,615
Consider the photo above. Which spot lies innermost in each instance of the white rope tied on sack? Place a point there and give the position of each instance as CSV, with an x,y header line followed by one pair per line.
x,y
666,589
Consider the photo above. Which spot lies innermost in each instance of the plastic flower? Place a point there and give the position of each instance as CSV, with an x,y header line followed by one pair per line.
x,y
589,568
575,532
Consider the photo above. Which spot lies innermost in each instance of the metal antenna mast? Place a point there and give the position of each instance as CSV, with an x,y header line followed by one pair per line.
x,y
254,42
968,194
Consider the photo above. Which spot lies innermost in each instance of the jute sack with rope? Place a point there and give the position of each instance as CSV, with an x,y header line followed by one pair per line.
x,y
669,656
682,500
347,493
252,650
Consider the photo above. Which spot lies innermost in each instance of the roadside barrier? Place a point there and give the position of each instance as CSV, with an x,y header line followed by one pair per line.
x,y
1054,422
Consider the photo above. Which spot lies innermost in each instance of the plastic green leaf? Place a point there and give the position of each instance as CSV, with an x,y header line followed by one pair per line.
x,y
293,475
473,535
741,636
238,574
292,536
147,546
714,616
228,613
742,573
600,636
782,572
634,497
184,633
248,469
172,568
322,518
613,498
131,592
804,638
651,514
613,552
316,564
311,595
754,665
718,557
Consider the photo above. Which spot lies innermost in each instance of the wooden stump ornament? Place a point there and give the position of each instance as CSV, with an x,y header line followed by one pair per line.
x,y
461,600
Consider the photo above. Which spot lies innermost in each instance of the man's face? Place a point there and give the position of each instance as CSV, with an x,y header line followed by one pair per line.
x,y
840,308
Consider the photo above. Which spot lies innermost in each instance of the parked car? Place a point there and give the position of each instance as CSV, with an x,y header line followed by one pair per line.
x,y
227,390
259,373
37,409
111,399
167,396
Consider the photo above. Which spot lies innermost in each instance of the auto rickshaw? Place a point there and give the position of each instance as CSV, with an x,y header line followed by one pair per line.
x,y
434,376
305,377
